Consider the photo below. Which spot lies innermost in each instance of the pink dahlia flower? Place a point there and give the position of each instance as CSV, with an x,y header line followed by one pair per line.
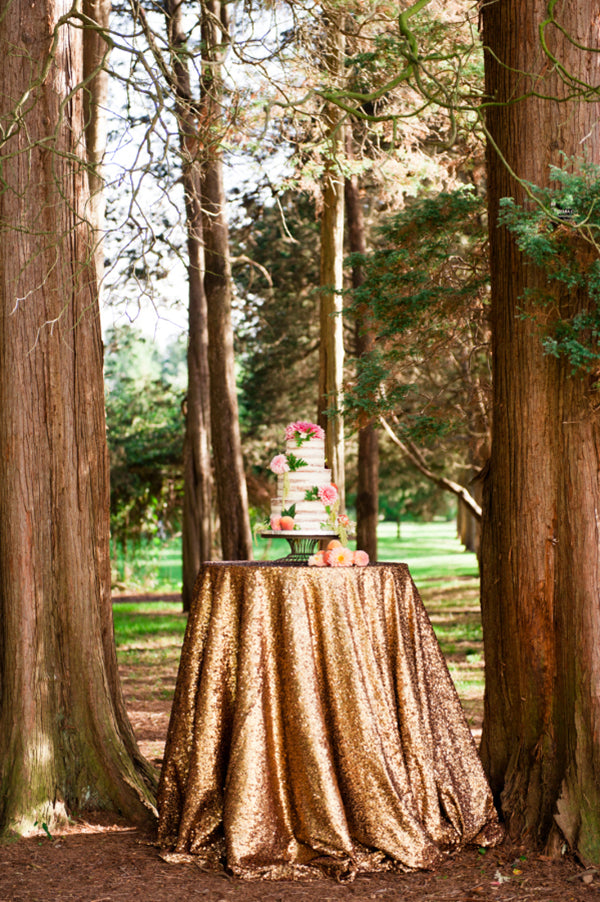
x,y
301,426
340,557
361,558
328,494
317,559
279,464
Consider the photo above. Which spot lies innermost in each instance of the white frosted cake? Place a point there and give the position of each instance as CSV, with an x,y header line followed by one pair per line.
x,y
306,498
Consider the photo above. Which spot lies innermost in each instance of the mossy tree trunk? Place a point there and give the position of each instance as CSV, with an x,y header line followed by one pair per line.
x,y
66,744
540,551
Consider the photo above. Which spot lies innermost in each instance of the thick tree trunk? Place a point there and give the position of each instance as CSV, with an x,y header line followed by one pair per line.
x,y
232,498
95,100
197,492
331,348
367,495
65,742
540,541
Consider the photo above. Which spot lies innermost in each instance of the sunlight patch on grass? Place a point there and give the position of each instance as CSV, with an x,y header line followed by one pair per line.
x,y
155,643
431,550
151,624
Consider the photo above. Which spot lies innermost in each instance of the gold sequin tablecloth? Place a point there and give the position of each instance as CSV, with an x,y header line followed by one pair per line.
x,y
315,724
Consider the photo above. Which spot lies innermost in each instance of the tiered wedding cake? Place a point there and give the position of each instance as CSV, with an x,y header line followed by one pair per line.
x,y
306,499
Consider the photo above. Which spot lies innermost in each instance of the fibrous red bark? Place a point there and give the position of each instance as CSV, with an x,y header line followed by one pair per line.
x,y
540,541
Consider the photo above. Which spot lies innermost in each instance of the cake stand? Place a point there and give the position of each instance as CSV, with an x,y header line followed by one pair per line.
x,y
302,542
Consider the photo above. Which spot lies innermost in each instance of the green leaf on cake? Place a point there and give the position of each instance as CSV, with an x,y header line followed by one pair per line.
x,y
302,437
289,511
295,463
312,494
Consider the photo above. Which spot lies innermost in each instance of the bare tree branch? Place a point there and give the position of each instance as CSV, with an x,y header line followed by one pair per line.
x,y
413,454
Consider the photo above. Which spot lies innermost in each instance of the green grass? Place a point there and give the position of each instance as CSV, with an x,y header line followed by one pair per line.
x,y
453,608
151,621
431,550
149,636
153,566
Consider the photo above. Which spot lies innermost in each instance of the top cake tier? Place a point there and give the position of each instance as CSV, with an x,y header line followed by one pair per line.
x,y
312,451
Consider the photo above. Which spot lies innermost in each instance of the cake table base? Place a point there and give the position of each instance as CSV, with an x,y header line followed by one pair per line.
x,y
302,544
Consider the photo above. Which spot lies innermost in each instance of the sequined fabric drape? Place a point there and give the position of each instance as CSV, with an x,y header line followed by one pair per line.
x,y
315,724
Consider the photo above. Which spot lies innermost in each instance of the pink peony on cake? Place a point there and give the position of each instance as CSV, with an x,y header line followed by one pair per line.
x,y
306,498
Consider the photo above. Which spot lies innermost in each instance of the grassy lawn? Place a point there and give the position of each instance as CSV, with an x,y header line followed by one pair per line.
x,y
149,634
431,550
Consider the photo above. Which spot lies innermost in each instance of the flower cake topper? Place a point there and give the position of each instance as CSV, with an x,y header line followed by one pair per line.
x,y
301,432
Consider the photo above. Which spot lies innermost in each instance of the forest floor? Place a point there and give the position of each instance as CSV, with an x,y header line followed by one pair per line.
x,y
100,859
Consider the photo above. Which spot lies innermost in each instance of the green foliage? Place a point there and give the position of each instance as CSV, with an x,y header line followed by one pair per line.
x,y
406,494
421,270
147,564
559,231
144,395
277,335
425,294
366,399
278,340
425,299
428,65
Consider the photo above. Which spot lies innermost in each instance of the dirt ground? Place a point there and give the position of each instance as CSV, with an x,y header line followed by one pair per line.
x,y
112,863
102,860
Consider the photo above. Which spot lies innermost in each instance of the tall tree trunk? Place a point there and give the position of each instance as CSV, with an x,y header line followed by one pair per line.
x,y
232,498
197,492
95,101
540,551
65,741
331,349
367,496
468,528
197,498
